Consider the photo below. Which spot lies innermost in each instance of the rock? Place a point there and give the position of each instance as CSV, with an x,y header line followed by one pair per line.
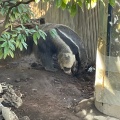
x,y
31,78
18,93
1,107
86,110
82,104
8,114
34,90
13,99
10,96
18,80
34,64
1,100
82,113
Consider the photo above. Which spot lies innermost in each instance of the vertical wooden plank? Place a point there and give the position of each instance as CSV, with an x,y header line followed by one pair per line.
x,y
87,32
96,29
93,29
84,28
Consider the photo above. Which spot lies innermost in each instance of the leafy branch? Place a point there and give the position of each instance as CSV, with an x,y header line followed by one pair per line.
x,y
14,30
10,5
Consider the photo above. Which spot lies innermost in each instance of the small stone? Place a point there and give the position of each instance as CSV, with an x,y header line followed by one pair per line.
x,y
69,106
8,114
81,114
34,90
34,64
18,80
18,93
31,78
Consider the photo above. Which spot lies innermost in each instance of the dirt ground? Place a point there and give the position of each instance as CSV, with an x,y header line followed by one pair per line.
x,y
46,95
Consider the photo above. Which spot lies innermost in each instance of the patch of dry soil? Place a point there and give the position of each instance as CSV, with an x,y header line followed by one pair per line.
x,y
46,95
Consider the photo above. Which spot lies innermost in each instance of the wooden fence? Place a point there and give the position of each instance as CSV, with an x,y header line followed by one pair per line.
x,y
85,23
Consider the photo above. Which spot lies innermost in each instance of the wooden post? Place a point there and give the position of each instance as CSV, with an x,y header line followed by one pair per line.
x,y
107,83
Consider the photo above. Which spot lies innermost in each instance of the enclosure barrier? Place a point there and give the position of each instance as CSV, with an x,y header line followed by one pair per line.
x,y
107,83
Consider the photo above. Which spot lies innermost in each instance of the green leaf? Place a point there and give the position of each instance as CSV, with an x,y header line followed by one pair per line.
x,y
73,9
1,39
11,53
23,38
19,28
58,3
17,43
23,28
17,15
23,8
14,35
87,3
14,10
12,40
80,3
32,30
19,9
63,6
6,51
7,35
37,28
66,1
4,44
42,34
68,7
11,45
2,11
19,37
12,18
25,45
21,46
93,3
38,35
53,33
112,2
12,1
6,3
27,32
35,38
37,1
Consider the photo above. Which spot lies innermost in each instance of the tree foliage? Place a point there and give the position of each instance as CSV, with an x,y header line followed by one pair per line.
x,y
16,12
13,32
